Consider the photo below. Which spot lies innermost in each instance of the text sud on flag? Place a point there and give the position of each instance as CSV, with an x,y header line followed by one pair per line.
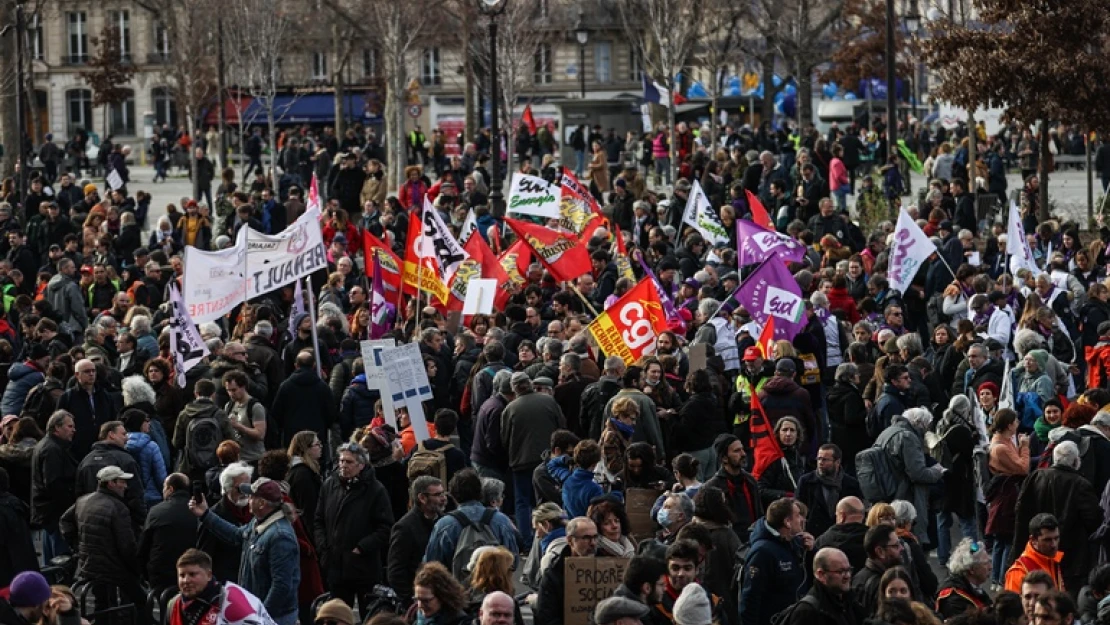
x,y
629,327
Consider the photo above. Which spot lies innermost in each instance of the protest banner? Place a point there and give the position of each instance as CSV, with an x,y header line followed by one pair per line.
x,y
530,195
908,253
565,256
431,255
757,244
699,214
637,504
588,582
186,344
376,378
408,384
771,291
630,326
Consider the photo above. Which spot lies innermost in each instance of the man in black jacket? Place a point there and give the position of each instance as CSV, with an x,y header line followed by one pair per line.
x,y
170,530
409,537
303,402
53,475
352,526
581,543
965,216
884,551
738,485
830,600
824,490
848,533
88,404
111,450
18,552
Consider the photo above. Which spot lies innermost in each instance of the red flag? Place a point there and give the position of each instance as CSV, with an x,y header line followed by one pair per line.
x,y
514,261
759,214
389,262
767,337
563,255
630,326
765,447
528,120
481,264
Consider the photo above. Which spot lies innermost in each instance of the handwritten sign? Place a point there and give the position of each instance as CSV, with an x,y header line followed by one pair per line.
x,y
530,195
589,581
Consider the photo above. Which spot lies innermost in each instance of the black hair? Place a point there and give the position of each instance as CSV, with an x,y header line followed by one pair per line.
x,y
876,537
683,550
643,570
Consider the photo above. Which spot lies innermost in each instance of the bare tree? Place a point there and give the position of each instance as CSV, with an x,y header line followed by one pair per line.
x,y
720,37
109,73
665,35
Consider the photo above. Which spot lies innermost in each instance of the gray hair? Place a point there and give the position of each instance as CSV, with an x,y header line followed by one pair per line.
x,y
211,330
702,276
919,418
233,471
493,491
427,334
214,345
911,342
1102,419
92,333
819,299
962,558
572,525
573,361
140,324
579,344
1066,454
684,502
845,372
842,266
137,390
978,347
615,364
708,307
55,421
1026,340
863,325
421,485
502,381
904,511
264,328
356,450
522,386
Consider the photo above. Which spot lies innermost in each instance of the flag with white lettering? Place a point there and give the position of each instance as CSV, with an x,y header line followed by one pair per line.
x,y
757,244
431,255
771,291
699,214
1021,257
297,309
186,344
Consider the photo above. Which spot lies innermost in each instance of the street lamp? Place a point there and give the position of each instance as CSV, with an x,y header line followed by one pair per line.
x,y
583,36
493,8
891,100
912,22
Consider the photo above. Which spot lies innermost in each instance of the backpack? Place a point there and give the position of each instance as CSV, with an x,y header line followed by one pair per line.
x,y
426,461
1029,407
877,475
202,436
873,422
811,372
38,404
784,617
594,400
473,536
936,442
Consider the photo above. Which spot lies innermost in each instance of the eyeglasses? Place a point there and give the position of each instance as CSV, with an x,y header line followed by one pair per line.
x,y
587,537
847,571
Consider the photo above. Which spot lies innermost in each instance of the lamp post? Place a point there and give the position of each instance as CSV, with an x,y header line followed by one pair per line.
x,y
583,37
493,8
912,21
891,100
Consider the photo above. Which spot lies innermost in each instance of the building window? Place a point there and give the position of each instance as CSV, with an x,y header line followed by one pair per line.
x,y
34,32
161,44
78,37
319,66
429,67
121,20
79,111
541,71
635,64
369,63
543,8
121,117
165,108
603,62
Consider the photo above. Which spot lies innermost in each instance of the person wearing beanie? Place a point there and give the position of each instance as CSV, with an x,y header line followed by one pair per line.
x,y
335,612
739,486
693,607
27,597
1035,378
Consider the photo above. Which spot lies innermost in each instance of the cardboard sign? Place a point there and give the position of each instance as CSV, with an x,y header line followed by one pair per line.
x,y
479,296
638,503
589,581
699,359
376,377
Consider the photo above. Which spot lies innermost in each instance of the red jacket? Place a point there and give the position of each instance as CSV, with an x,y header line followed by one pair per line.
x,y
411,194
840,299
354,240
1098,364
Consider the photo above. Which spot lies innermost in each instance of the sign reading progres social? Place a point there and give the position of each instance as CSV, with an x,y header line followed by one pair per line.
x,y
589,581
531,195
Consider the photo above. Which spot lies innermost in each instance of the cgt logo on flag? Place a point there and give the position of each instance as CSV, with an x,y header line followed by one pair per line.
x,y
783,304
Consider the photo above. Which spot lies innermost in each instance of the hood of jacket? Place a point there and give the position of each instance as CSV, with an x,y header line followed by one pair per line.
x,y
136,441
199,408
304,377
20,370
779,385
761,532
57,283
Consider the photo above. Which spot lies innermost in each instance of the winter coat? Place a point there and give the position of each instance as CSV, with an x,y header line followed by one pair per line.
x,y
64,296
774,576
22,377
821,504
269,566
201,408
697,424
780,478
578,490
892,403
76,402
848,421
830,609
719,571
171,529
906,447
487,450
225,556
447,530
352,514
847,537
356,409
742,494
957,596
303,402
53,476
152,468
18,553
304,487
99,529
1064,493
105,454
782,397
408,539
527,423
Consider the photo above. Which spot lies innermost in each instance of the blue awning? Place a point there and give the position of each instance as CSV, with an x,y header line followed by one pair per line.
x,y
308,108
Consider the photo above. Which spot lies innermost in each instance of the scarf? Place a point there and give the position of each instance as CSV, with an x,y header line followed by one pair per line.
x,y
968,291
1045,332
822,314
830,488
984,317
624,548
1041,428
558,532
625,430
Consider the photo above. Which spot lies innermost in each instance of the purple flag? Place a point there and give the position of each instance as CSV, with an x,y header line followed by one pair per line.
x,y
771,291
379,307
668,303
757,244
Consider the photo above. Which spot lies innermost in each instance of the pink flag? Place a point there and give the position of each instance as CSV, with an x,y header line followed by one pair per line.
x,y
758,244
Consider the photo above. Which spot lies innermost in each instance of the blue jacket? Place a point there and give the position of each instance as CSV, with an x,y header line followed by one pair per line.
x,y
152,467
22,377
774,576
578,490
270,566
445,534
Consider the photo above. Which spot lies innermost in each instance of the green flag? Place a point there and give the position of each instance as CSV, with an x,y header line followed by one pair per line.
x,y
910,157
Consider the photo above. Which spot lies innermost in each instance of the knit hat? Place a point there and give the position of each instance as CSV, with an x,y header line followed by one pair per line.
x,y
722,443
89,188
29,589
988,386
613,609
335,610
693,607
1041,357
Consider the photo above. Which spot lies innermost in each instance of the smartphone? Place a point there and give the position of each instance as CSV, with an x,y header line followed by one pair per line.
x,y
198,490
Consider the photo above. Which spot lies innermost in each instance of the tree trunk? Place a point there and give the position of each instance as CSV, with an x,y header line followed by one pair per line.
x,y
10,138
470,98
672,149
190,125
337,80
395,126
271,128
1043,214
804,95
767,107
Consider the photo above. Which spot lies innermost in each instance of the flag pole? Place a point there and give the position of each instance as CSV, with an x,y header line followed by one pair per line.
x,y
584,300
315,337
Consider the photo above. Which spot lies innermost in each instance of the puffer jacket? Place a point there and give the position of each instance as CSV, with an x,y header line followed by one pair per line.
x,y
22,377
104,454
98,527
152,468
65,299
351,514
356,409
269,565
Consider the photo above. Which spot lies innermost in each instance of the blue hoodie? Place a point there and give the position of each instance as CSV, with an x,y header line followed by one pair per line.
x,y
774,576
152,467
579,489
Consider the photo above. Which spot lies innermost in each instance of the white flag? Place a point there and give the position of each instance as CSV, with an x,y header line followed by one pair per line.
x,y
1006,395
699,214
530,195
469,227
910,250
186,345
437,242
1021,257
297,308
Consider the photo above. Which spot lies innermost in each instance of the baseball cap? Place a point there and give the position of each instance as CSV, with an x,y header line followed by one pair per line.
x,y
340,238
86,269
263,487
752,353
112,472
543,381
785,365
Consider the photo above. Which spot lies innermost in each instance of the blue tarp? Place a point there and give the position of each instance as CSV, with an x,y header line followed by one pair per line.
x,y
309,108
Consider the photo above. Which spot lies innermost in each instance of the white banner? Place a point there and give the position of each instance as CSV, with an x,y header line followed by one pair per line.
x,y
908,253
529,195
186,344
439,243
1021,257
699,214
216,282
